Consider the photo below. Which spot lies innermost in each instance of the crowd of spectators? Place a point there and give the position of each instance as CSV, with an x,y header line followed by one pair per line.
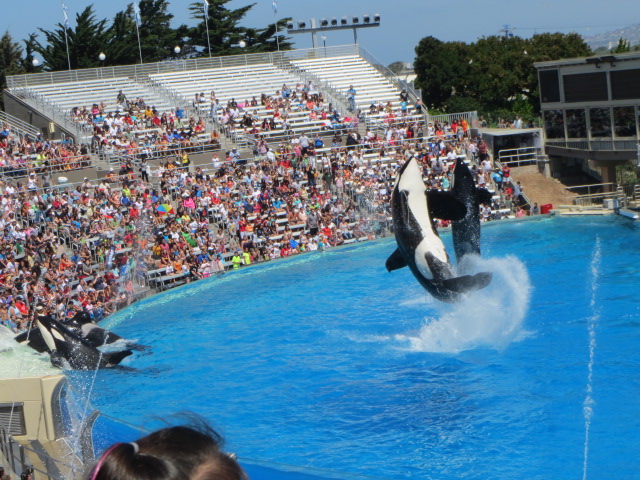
x,y
135,129
21,154
281,106
92,246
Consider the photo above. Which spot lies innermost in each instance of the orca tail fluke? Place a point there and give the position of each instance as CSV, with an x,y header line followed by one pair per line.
x,y
468,283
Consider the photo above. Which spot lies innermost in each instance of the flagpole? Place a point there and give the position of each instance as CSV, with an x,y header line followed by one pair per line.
x,y
275,13
66,26
205,6
136,13
139,46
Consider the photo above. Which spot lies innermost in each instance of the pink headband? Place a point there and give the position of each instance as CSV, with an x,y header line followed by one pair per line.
x,y
104,456
107,452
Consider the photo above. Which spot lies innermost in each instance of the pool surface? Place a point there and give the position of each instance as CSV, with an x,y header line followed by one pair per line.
x,y
328,361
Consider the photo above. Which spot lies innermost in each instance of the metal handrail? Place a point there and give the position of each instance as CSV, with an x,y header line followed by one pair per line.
x,y
147,69
51,109
19,126
15,455
610,185
31,166
338,99
153,153
593,145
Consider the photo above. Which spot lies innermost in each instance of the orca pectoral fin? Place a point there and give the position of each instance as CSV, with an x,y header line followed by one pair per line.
x,y
445,205
395,261
438,268
468,283
483,195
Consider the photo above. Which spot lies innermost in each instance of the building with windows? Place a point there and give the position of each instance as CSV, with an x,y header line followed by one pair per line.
x,y
591,112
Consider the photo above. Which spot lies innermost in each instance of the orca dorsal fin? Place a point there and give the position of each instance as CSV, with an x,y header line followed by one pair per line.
x,y
445,205
483,195
395,261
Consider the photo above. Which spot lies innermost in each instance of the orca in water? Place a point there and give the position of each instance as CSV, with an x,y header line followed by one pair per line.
x,y
419,245
466,231
78,340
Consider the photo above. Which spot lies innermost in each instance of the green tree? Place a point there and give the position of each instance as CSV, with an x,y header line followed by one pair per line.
x,y
495,73
499,65
86,41
29,50
545,47
396,67
157,37
623,46
442,70
225,31
10,61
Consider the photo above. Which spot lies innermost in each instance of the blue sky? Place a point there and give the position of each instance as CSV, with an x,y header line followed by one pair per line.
x,y
403,22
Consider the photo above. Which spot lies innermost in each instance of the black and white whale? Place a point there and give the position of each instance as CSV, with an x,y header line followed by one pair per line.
x,y
78,341
419,245
466,231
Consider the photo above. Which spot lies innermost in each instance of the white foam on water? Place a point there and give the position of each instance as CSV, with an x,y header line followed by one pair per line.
x,y
119,345
21,361
491,317
592,323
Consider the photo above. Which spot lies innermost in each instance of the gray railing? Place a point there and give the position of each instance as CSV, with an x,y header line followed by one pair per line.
x,y
470,117
331,93
594,145
414,94
19,126
147,69
50,109
17,456
519,156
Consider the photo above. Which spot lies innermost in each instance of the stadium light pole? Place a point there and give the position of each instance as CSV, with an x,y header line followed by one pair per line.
x,y
325,25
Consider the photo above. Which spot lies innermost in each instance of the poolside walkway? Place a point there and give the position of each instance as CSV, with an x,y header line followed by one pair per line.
x,y
540,189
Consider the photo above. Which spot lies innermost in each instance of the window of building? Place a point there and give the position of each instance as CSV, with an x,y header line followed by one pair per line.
x,y
600,122
576,123
624,121
549,86
625,84
554,123
585,87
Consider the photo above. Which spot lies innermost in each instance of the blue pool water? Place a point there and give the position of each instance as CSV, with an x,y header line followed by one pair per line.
x,y
328,361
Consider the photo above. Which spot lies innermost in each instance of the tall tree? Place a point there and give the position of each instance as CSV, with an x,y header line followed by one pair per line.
x,y
493,73
499,65
156,35
623,46
10,61
442,70
225,32
86,41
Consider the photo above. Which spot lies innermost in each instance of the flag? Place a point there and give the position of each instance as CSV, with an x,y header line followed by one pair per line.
x,y
136,13
205,4
66,15
274,4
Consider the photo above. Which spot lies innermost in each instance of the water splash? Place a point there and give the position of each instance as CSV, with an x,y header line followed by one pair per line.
x,y
588,403
21,361
491,317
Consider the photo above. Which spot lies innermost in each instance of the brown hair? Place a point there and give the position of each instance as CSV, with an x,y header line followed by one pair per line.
x,y
175,453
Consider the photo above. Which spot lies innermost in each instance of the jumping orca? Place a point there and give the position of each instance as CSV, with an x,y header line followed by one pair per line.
x,y
78,341
419,245
466,231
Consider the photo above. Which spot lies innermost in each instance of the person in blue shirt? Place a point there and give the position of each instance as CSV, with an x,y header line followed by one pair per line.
x,y
351,97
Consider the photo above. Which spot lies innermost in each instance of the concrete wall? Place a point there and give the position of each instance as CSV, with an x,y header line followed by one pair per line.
x,y
19,109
